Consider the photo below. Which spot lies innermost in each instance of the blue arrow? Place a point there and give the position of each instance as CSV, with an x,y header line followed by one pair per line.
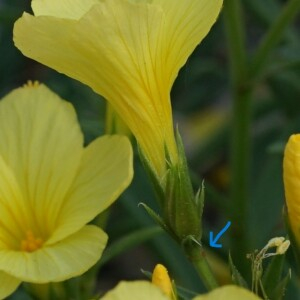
x,y
213,241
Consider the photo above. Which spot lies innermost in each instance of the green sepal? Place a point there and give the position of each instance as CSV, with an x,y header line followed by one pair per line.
x,y
236,276
272,275
155,180
190,239
180,209
191,247
158,220
199,199
183,166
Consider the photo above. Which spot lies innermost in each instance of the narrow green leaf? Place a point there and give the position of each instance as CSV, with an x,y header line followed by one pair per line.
x,y
272,274
199,199
279,291
236,276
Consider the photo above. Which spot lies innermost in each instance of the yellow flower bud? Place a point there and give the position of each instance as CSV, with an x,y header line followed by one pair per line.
x,y
291,177
161,279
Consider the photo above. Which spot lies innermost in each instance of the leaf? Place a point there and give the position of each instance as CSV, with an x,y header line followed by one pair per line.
x,y
279,291
272,274
236,276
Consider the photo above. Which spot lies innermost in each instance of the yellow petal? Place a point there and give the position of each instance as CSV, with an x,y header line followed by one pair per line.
x,y
71,257
186,24
119,58
129,71
40,140
291,177
129,52
69,9
14,214
231,292
135,290
105,171
8,285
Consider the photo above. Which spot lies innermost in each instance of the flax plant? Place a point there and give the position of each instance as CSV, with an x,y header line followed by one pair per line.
x,y
130,52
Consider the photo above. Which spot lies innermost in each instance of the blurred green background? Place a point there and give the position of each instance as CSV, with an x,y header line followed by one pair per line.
x,y
202,106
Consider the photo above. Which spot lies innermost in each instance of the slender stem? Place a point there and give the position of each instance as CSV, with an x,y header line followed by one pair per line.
x,y
196,255
240,145
274,35
236,41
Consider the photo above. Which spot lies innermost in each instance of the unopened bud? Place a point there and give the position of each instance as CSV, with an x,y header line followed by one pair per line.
x,y
182,213
161,279
281,249
275,242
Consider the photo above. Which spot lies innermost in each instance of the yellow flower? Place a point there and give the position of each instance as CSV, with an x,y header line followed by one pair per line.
x,y
128,51
291,177
51,187
137,290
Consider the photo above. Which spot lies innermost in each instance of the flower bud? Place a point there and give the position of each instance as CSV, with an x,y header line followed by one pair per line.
x,y
182,210
281,249
161,279
291,177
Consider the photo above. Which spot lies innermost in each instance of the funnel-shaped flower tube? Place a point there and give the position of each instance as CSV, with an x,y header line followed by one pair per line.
x,y
128,51
51,187
291,177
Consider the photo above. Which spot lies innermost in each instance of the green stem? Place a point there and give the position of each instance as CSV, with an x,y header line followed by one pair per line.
x,y
273,36
235,41
240,145
240,156
196,255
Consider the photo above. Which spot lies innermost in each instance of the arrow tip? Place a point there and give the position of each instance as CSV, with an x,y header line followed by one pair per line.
x,y
213,241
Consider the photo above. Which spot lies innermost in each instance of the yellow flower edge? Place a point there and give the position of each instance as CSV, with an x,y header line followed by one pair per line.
x,y
51,187
130,52
231,292
135,290
291,178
